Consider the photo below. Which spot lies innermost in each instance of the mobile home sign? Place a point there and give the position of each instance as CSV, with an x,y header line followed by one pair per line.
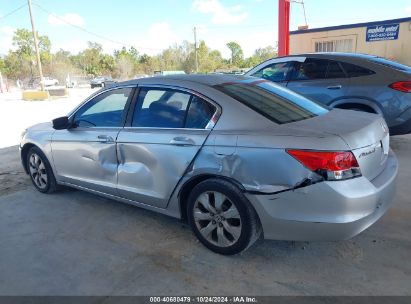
x,y
382,32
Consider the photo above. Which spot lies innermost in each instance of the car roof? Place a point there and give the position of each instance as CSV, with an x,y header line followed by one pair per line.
x,y
329,55
340,54
205,79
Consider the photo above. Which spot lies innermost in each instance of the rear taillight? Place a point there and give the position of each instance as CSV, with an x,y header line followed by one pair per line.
x,y
402,86
331,165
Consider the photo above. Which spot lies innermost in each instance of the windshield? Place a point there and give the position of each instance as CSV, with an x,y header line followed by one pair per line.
x,y
272,101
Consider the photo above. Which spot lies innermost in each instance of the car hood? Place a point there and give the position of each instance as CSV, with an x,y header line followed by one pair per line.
x,y
44,126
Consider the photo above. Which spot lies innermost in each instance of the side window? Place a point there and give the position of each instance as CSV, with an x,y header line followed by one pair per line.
x,y
311,69
199,113
161,108
335,70
105,110
275,72
353,70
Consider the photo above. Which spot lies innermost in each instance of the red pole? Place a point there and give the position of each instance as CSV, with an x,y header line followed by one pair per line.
x,y
283,27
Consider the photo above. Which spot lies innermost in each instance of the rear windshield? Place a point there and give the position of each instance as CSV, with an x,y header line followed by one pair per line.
x,y
391,64
272,101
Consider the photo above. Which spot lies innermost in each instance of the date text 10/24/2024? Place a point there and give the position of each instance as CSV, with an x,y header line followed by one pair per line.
x,y
199,299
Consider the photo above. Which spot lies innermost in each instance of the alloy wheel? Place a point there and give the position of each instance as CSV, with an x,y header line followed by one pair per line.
x,y
38,171
217,219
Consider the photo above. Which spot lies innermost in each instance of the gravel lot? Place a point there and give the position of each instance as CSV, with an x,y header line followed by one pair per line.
x,y
75,243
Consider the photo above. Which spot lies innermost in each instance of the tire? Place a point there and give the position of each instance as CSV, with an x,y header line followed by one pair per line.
x,y
222,218
40,171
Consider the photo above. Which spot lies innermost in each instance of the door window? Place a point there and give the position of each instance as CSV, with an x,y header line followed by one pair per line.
x,y
167,108
334,70
275,72
311,69
199,113
160,108
105,110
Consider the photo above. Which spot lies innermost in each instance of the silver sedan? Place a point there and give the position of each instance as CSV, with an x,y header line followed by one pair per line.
x,y
236,157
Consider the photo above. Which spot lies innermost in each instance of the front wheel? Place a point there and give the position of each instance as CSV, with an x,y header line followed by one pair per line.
x,y
40,171
222,218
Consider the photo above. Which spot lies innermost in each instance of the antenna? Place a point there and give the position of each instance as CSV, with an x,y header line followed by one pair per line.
x,y
302,3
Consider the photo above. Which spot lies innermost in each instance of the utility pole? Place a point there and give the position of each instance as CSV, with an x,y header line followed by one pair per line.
x,y
195,48
36,46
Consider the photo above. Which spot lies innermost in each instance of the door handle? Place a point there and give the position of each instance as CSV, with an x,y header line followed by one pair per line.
x,y
182,141
336,87
105,139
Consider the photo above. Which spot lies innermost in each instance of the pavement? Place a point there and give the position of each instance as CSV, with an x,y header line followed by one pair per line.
x,y
75,243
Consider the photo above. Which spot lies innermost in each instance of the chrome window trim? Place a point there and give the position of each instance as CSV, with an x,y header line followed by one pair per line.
x,y
213,119
164,129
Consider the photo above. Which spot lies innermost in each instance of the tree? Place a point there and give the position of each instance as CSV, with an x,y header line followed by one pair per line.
x,y
148,64
260,55
2,65
20,63
209,60
123,63
62,65
92,60
237,54
126,62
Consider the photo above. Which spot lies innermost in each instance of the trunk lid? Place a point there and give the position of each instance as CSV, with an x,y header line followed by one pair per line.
x,y
366,134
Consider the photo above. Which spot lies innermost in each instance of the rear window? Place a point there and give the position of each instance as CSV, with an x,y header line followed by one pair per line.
x,y
391,64
274,102
353,70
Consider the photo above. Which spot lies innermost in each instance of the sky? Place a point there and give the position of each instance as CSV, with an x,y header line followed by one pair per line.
x,y
154,25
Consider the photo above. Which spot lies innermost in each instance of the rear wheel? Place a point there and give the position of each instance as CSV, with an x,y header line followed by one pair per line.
x,y
40,171
222,218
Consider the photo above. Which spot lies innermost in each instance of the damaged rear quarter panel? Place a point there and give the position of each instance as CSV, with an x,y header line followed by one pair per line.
x,y
259,163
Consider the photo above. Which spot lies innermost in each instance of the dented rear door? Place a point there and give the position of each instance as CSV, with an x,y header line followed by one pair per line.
x,y
160,143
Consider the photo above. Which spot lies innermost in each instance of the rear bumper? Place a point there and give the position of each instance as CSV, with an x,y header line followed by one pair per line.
x,y
328,210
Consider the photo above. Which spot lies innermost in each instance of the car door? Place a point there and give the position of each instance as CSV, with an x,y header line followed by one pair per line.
x,y
85,154
319,79
167,130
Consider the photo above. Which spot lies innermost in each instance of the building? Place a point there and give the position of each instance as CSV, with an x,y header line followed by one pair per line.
x,y
389,38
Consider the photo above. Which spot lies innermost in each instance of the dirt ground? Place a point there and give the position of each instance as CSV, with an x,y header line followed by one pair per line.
x,y
75,243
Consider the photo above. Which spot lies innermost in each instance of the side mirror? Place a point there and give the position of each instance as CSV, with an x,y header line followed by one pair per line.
x,y
61,123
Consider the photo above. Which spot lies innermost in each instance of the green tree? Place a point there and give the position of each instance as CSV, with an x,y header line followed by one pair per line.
x,y
21,62
126,62
209,60
92,60
62,66
237,54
